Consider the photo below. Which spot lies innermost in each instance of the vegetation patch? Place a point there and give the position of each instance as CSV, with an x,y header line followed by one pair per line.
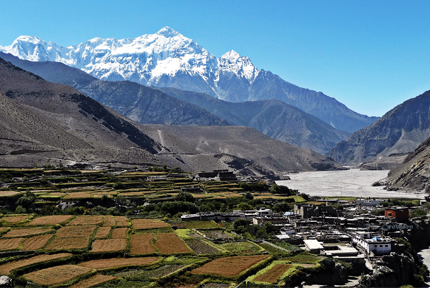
x,y
25,232
304,257
87,220
119,233
10,244
67,243
141,244
102,232
50,220
272,249
229,266
242,247
201,247
139,224
169,243
5,269
94,281
112,263
216,234
201,225
286,245
36,242
56,275
109,245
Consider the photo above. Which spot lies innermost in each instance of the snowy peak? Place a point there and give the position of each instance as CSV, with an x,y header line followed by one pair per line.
x,y
168,32
241,66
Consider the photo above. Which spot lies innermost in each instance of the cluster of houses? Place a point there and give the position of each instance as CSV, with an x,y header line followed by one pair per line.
x,y
352,234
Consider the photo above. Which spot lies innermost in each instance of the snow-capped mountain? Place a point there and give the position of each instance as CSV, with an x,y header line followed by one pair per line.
x,y
169,59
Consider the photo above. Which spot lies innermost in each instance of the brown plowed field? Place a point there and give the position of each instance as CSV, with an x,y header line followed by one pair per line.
x,y
118,262
8,193
121,221
148,224
102,232
141,244
109,221
78,195
10,244
5,269
25,232
119,233
109,245
274,273
93,281
14,219
36,242
87,220
56,275
169,243
229,266
65,243
50,220
75,231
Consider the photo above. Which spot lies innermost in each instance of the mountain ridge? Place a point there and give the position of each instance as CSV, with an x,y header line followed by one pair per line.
x,y
169,59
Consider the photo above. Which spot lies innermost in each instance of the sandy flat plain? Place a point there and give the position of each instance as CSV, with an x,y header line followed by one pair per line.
x,y
353,182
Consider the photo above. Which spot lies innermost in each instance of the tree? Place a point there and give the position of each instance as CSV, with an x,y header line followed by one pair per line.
x,y
244,206
185,197
248,196
275,189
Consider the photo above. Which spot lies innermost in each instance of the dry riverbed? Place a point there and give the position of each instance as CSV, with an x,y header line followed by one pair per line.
x,y
345,183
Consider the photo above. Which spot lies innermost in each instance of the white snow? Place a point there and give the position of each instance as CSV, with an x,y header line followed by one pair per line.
x,y
148,56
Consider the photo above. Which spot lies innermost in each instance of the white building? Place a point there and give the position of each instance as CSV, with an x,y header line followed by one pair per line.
x,y
378,245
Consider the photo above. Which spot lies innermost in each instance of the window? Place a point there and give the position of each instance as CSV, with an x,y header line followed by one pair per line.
x,y
386,245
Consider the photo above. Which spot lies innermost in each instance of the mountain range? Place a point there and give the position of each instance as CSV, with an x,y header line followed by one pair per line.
x,y
169,59
401,130
151,106
42,121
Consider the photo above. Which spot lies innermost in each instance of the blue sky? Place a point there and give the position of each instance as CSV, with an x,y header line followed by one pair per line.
x,y
369,55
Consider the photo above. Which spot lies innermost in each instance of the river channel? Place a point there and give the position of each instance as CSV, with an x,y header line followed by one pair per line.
x,y
344,183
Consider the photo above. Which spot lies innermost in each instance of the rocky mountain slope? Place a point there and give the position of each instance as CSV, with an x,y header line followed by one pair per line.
x,y
271,117
42,121
168,59
414,173
148,106
400,130
137,102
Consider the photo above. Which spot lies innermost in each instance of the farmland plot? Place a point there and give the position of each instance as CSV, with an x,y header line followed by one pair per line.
x,y
273,274
75,231
242,247
109,221
109,245
93,281
87,220
121,221
153,273
200,247
25,232
102,232
14,219
139,224
216,234
229,266
66,243
36,242
141,244
119,233
56,275
111,263
50,220
169,243
10,244
5,269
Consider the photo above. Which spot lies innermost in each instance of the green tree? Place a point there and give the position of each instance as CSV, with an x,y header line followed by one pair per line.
x,y
185,196
248,196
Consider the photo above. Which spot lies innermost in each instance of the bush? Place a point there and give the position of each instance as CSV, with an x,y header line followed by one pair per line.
x,y
118,185
185,197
